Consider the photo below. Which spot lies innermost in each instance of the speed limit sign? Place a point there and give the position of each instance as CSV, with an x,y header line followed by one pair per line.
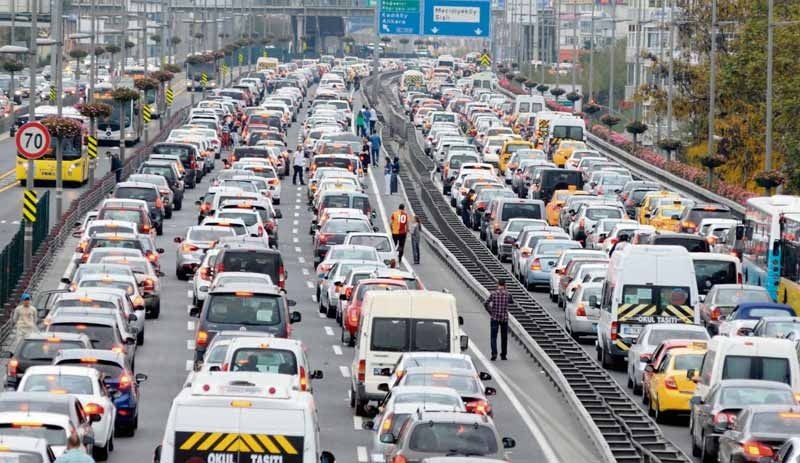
x,y
33,140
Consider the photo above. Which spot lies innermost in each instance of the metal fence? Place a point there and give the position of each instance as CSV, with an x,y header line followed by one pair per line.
x,y
13,255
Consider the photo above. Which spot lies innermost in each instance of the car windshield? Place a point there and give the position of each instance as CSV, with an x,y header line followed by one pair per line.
x,y
527,211
453,438
776,423
264,361
249,309
145,194
736,296
714,272
555,249
53,434
380,243
756,367
779,329
598,213
209,234
404,335
58,383
101,336
248,218
742,396
125,215
345,226
40,349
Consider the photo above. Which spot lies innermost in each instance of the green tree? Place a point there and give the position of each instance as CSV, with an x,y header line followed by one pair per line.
x,y
601,75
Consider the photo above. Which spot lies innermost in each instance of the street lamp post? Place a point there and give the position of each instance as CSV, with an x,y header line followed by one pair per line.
x,y
712,78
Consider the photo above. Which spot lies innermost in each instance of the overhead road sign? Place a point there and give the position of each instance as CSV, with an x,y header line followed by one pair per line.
x,y
399,17
458,18
32,140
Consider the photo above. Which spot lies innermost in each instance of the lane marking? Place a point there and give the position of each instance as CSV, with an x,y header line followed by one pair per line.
x,y
295,222
297,206
322,315
189,365
295,239
305,271
314,298
302,260
337,349
357,423
190,325
189,293
345,371
297,249
190,344
8,187
361,452
329,331
6,174
310,285
297,214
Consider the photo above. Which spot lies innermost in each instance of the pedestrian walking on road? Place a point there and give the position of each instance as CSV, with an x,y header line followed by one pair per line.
x,y
497,305
116,165
416,232
387,175
373,119
375,147
394,175
400,222
298,162
360,124
24,317
74,452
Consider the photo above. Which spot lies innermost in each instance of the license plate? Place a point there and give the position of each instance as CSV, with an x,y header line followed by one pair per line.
x,y
631,330
242,390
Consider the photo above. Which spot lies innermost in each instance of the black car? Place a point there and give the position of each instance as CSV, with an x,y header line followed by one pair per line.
x,y
759,431
242,255
39,349
189,158
148,193
170,172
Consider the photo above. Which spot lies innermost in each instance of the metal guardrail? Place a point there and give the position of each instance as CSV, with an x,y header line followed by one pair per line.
x,y
62,230
646,171
629,434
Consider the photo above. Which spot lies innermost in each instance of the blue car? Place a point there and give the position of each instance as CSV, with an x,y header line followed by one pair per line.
x,y
542,260
746,315
122,384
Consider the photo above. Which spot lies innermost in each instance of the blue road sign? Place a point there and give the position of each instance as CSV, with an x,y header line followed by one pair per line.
x,y
399,17
458,18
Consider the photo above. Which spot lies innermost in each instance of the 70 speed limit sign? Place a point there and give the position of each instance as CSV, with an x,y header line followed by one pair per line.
x,y
33,140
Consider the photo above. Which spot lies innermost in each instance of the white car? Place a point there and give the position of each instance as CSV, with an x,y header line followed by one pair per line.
x,y
382,242
55,426
251,219
271,176
268,354
100,226
86,384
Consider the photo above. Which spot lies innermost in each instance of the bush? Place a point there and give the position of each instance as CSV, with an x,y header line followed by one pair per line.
x,y
13,66
769,179
195,59
99,51
145,83
557,92
162,76
712,161
669,144
541,88
175,40
573,96
610,120
156,38
78,53
62,127
113,49
199,35
636,128
591,108
173,68
94,110
129,44
124,94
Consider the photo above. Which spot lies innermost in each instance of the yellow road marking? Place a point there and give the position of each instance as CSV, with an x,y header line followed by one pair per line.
x,y
8,187
6,174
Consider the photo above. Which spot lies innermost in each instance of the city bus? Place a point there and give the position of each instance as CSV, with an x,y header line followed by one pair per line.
x,y
136,72
108,128
75,165
761,250
789,285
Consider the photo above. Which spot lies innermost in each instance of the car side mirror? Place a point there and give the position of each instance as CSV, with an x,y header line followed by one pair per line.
x,y
375,229
87,441
373,214
388,438
720,427
464,342
160,250
6,354
194,312
484,376
690,374
140,378
95,418
460,320
316,374
278,214
291,302
677,217
296,317
198,203
490,391
384,387
130,341
177,239
649,368
368,424
157,454
132,317
739,232
509,443
65,280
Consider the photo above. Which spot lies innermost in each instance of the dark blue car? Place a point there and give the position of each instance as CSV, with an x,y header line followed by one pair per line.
x,y
745,316
118,378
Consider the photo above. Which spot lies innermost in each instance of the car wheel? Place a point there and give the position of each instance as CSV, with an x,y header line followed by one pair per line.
x,y
140,338
101,453
168,213
156,311
330,312
705,454
344,335
276,201
178,205
125,431
360,407
696,450
181,274
637,388
352,397
629,383
607,360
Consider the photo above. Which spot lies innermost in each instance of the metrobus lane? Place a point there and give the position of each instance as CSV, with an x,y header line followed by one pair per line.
x,y
675,429
11,190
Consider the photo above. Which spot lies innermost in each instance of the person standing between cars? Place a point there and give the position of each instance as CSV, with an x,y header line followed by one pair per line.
x,y
24,317
400,222
116,165
373,119
298,163
466,207
365,118
360,124
74,452
416,232
394,174
497,305
375,147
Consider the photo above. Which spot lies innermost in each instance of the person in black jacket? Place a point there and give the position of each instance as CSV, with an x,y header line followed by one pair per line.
x,y
466,205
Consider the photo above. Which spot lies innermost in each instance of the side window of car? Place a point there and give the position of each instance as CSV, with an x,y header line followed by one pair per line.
x,y
79,412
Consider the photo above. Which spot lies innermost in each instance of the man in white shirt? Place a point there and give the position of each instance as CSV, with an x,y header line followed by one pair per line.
x,y
298,162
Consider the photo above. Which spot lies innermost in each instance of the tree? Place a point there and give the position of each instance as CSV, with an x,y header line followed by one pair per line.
x,y
636,128
156,38
541,88
78,54
99,51
711,162
123,96
670,146
13,66
609,121
557,92
129,44
601,74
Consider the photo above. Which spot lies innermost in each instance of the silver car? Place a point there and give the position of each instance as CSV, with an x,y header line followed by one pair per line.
x,y
580,315
507,238
192,248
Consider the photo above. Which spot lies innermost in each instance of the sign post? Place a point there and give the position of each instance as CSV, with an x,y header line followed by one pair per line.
x,y
32,141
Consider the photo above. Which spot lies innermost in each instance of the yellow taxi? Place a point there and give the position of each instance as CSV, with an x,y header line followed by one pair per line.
x,y
666,218
509,148
649,203
553,208
565,149
670,389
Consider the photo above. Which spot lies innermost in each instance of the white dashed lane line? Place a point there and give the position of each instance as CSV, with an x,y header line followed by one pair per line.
x,y
361,452
345,371
329,331
310,285
337,349
190,325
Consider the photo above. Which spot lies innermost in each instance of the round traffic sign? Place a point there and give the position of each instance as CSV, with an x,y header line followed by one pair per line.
x,y
33,140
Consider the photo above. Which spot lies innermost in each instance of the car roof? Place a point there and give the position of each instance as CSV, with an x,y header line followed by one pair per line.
x,y
236,287
99,354
42,335
10,396
82,319
61,369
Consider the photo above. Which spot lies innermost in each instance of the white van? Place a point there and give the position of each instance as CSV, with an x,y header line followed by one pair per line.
x,y
238,416
391,324
528,104
715,269
567,128
644,284
741,357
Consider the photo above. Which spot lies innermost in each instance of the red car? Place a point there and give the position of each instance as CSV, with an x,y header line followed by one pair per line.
x,y
352,314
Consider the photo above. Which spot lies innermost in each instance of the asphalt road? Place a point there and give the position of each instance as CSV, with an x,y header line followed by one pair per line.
x,y
526,407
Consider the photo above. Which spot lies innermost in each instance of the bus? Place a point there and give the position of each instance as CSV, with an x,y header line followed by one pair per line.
x,y
789,284
267,64
136,72
108,128
761,250
75,165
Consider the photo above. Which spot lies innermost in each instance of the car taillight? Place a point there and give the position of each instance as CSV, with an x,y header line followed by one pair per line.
x,y
303,379
93,409
739,278
260,230
152,257
669,383
149,284
756,449
85,257
480,407
201,340
281,277
362,370
12,367
614,331
145,228
323,238
189,247
353,315
159,203
125,381
614,240
600,190
715,313
399,459
348,292
81,247
205,207
118,349
581,310
205,274
536,264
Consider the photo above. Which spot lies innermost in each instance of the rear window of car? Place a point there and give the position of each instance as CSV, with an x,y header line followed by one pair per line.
x,y
70,384
526,211
184,152
109,369
54,435
209,234
597,213
380,243
696,215
101,336
756,367
453,439
145,194
691,244
252,261
714,272
109,243
264,361
336,201
125,215
250,310
248,218
40,349
164,171
344,163
343,226
404,335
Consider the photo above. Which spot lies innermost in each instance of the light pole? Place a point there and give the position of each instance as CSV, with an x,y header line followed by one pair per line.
x,y
712,78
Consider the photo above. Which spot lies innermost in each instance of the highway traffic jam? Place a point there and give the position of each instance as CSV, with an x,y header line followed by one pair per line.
x,y
675,296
